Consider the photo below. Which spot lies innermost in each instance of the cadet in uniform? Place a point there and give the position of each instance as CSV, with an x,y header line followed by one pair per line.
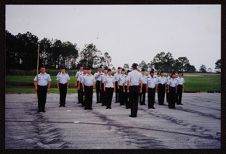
x,y
151,88
80,87
80,92
109,87
116,76
102,94
180,88
172,90
97,76
126,92
134,87
167,94
88,83
161,88
143,94
42,83
121,87
62,84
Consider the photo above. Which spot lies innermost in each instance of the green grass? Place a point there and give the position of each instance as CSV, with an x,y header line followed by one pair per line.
x,y
201,83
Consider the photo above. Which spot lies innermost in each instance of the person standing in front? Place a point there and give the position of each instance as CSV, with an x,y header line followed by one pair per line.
x,y
116,76
172,90
80,87
109,88
134,87
151,89
121,87
80,93
62,84
143,93
88,84
42,83
97,76
180,87
103,93
161,88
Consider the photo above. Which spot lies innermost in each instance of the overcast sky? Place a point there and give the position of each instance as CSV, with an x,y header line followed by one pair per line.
x,y
129,33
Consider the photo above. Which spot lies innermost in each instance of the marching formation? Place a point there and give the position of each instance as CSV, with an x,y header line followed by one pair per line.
x,y
130,87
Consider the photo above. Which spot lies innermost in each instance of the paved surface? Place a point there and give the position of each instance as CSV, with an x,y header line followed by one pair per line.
x,y
196,124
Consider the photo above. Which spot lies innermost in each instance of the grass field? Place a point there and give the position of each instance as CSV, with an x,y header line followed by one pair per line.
x,y
194,82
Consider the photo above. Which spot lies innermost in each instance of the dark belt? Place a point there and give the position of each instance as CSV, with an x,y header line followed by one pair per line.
x,y
42,86
63,83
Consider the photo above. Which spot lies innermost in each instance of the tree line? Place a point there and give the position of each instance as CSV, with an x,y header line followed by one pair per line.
x,y
21,53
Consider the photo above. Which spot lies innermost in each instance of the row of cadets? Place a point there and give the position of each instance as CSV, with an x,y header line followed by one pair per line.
x,y
121,87
97,76
116,76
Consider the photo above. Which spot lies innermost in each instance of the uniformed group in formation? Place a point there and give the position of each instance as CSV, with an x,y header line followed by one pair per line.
x,y
130,87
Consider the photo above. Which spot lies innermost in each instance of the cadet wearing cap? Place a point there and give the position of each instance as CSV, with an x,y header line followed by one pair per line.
x,y
80,93
134,87
62,84
88,83
161,88
109,86
121,87
180,88
116,76
144,81
80,87
172,84
42,83
102,94
151,89
97,76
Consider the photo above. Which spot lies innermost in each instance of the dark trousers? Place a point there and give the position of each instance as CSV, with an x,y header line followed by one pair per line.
x,y
109,94
80,95
88,97
98,91
102,95
167,97
63,93
151,97
179,93
127,99
143,95
134,94
172,97
42,93
121,96
161,93
116,92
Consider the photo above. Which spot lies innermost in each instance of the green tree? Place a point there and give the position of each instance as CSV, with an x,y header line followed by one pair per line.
x,y
202,69
143,65
126,66
218,64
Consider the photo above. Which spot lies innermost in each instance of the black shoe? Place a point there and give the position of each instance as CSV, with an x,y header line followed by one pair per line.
x,y
43,111
60,105
180,104
64,106
153,107
133,116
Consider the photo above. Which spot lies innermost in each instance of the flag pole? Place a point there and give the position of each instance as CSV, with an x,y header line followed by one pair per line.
x,y
37,67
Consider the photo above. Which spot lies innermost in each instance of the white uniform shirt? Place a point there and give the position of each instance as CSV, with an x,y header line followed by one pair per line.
x,y
109,81
43,79
81,78
63,78
126,80
122,79
117,76
151,81
97,76
180,80
162,80
144,79
78,74
103,78
173,82
88,80
134,77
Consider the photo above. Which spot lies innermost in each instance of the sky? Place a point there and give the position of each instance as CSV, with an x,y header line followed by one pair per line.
x,y
129,33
